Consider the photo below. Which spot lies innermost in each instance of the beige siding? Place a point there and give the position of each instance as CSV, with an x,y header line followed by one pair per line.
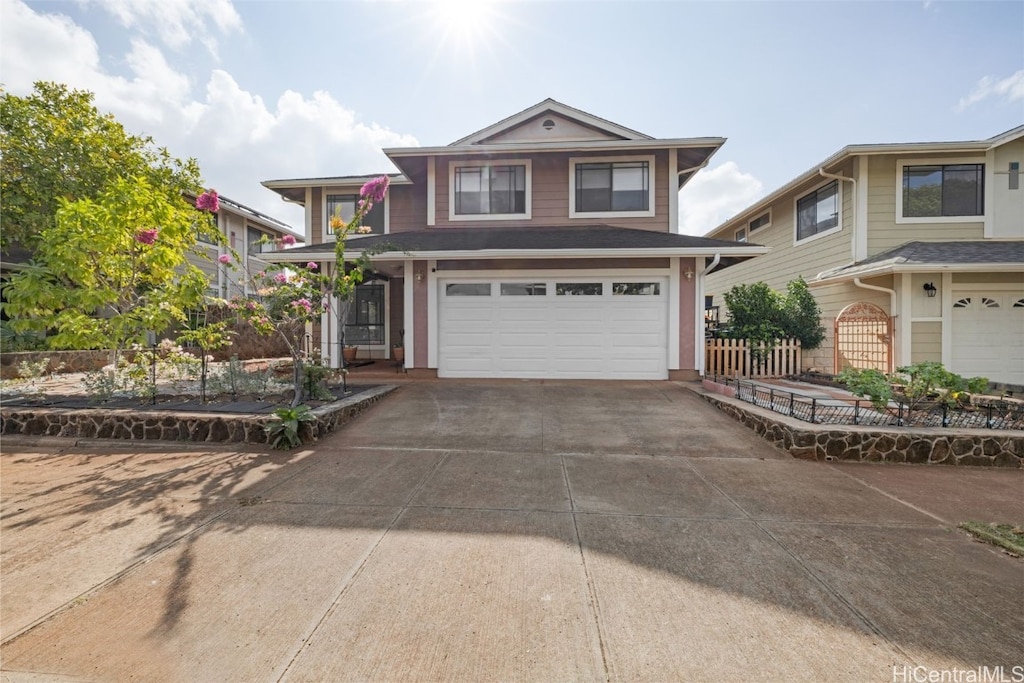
x,y
926,342
1007,209
884,232
833,299
550,194
988,278
786,261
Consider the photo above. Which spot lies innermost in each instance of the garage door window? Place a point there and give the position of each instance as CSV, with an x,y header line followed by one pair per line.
x,y
579,289
523,289
636,288
468,289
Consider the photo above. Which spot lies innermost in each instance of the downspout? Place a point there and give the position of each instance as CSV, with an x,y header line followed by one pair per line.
x,y
699,341
853,209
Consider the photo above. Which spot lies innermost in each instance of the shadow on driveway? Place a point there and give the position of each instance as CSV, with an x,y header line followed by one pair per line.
x,y
500,530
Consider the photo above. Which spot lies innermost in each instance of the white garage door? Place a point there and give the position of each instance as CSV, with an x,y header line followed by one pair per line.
x,y
597,328
988,335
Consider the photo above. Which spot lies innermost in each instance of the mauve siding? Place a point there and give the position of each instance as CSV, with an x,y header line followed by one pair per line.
x,y
419,298
687,315
316,214
408,207
550,194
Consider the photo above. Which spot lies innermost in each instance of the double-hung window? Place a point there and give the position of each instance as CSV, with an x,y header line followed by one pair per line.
x,y
940,190
818,212
615,187
343,206
489,191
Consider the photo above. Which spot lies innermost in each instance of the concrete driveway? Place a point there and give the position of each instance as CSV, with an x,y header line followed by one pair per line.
x,y
513,531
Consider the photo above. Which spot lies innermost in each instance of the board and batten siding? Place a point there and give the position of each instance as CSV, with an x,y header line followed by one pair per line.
x,y
550,193
884,232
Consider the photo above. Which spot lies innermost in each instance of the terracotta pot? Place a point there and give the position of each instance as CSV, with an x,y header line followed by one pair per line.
x,y
349,353
398,353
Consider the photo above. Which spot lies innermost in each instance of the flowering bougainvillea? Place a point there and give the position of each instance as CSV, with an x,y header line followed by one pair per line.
x,y
208,201
146,236
283,299
224,258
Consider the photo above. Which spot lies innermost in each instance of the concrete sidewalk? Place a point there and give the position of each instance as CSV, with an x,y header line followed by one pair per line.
x,y
514,531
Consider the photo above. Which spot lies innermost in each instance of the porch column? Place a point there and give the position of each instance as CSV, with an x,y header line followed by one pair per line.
x,y
408,310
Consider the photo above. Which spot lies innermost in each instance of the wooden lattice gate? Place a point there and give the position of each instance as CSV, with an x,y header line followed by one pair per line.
x,y
863,338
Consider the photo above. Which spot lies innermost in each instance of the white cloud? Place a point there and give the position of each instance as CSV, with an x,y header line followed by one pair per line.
x,y
1011,88
177,22
237,138
714,195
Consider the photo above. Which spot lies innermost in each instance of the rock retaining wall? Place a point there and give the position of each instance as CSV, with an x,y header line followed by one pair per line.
x,y
139,425
874,444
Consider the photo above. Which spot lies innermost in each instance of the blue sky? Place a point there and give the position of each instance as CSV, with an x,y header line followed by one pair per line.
x,y
258,90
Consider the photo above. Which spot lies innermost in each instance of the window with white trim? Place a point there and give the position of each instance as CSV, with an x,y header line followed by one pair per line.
x,y
943,190
762,221
619,187
489,190
817,212
741,235
343,206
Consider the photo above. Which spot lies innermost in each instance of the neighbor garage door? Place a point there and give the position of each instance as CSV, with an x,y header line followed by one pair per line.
x,y
596,328
988,335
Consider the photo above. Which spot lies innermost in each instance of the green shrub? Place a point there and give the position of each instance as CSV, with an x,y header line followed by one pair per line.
x,y
283,430
762,315
917,383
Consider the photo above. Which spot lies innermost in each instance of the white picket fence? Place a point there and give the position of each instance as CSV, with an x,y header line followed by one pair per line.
x,y
733,358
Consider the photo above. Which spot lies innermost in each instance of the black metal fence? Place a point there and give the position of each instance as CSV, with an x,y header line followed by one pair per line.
x,y
986,414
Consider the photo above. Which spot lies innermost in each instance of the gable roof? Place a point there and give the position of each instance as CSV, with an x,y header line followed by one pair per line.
x,y
988,255
553,107
963,146
533,242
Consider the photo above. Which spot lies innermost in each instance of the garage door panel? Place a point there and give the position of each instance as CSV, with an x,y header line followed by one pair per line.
x,y
553,336
988,336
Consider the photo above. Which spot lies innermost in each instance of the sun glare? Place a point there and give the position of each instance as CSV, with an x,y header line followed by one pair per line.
x,y
466,22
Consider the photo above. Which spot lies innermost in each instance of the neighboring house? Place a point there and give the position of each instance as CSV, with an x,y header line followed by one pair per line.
x,y
242,228
543,246
915,252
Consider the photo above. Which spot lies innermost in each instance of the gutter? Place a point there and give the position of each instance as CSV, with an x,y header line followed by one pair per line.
x,y
890,292
653,252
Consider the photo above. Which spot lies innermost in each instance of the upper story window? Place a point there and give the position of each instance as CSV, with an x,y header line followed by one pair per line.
x,y
344,206
943,191
253,238
762,221
339,205
817,212
741,235
611,187
489,191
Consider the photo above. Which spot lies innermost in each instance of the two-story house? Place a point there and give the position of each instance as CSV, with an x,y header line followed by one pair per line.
x,y
543,246
242,229
914,252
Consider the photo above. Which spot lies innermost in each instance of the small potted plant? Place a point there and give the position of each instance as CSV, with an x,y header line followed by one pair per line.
x,y
349,353
398,350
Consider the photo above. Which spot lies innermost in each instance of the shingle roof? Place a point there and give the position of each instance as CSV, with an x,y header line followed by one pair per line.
x,y
532,238
911,254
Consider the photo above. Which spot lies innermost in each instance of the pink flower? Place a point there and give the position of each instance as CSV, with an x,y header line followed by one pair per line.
x,y
312,265
281,278
374,190
146,236
208,201
303,303
288,240
224,258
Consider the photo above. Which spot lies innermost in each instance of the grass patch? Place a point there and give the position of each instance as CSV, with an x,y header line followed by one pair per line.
x,y
1009,537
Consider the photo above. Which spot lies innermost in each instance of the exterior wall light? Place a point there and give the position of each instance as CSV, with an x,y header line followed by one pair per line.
x,y
930,289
